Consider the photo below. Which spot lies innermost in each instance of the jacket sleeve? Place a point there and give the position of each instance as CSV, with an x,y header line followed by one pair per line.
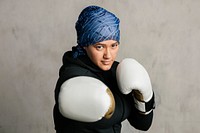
x,y
138,120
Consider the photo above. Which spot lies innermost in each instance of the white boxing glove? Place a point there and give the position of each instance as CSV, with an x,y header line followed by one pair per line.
x,y
85,99
132,77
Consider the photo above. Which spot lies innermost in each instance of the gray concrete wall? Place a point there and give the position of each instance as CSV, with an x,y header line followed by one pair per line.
x,y
163,35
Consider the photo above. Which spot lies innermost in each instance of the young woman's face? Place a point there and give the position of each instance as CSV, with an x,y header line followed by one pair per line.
x,y
103,54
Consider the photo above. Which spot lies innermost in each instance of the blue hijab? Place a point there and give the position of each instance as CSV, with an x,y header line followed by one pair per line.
x,y
95,24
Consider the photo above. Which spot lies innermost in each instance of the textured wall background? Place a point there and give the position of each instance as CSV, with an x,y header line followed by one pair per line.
x,y
163,35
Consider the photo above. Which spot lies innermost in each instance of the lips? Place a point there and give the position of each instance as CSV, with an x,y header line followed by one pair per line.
x,y
106,62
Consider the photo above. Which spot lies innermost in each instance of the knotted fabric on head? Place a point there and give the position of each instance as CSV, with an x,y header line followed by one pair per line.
x,y
95,24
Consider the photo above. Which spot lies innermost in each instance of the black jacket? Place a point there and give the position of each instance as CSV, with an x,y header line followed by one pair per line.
x,y
124,108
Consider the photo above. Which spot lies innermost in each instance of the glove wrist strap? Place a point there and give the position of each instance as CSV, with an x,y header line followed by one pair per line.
x,y
145,107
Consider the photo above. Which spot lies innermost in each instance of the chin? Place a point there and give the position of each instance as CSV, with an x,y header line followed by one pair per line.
x,y
106,68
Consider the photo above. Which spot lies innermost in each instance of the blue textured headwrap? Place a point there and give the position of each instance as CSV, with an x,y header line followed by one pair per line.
x,y
95,24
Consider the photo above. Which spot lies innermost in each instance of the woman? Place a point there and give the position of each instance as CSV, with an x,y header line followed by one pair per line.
x,y
95,93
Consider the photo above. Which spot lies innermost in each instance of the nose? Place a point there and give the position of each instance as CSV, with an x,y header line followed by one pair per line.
x,y
107,53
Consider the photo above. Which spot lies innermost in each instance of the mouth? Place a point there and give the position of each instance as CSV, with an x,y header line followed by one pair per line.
x,y
106,62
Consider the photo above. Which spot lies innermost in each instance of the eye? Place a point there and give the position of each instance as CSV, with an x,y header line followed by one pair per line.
x,y
99,47
114,45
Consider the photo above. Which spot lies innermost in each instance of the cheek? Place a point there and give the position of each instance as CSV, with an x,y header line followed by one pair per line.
x,y
95,57
114,54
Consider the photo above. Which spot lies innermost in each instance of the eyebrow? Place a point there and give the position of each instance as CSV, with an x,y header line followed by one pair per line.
x,y
105,44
